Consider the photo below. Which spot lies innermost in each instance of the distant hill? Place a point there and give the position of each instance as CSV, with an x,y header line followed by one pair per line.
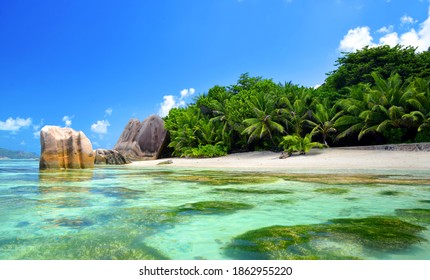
x,y
5,153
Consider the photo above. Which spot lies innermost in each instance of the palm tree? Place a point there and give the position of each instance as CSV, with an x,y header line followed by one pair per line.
x,y
391,97
420,104
297,143
384,107
264,123
296,107
324,119
183,132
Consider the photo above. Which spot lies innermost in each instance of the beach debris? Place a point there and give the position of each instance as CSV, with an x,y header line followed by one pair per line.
x,y
284,155
142,140
65,148
165,162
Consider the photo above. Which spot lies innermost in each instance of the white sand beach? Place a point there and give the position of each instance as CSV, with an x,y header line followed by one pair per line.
x,y
326,159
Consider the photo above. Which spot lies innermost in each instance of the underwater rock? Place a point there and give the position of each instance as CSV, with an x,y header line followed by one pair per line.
x,y
104,156
212,207
64,148
142,140
298,242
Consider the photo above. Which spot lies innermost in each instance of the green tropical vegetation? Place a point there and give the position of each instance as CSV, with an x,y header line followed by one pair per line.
x,y
378,95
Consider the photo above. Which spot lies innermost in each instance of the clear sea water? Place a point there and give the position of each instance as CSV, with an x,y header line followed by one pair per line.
x,y
125,212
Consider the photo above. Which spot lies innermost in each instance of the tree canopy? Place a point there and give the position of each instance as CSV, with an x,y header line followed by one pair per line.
x,y
375,96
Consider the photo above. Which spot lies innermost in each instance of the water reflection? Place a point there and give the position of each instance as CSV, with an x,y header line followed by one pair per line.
x,y
64,176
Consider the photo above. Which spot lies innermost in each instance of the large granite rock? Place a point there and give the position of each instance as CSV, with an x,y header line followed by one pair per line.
x,y
142,140
64,148
103,156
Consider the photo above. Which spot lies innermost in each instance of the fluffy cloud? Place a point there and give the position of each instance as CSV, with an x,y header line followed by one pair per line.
x,y
171,101
360,37
355,39
68,121
390,39
100,127
36,129
108,111
386,29
407,20
187,92
15,124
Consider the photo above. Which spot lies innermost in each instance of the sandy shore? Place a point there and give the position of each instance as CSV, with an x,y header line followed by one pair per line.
x,y
326,159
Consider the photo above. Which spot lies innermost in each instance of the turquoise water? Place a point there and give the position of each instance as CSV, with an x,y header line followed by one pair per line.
x,y
150,213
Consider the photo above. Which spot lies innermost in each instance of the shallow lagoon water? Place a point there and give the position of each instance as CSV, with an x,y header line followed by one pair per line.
x,y
125,212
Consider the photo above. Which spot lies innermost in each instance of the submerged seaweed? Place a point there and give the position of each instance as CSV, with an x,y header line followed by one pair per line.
x,y
332,191
83,247
421,216
212,207
253,191
390,193
298,242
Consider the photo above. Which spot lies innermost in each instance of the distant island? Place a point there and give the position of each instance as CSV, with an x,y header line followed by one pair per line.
x,y
10,154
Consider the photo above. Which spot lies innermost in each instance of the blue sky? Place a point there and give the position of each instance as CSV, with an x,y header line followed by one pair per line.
x,y
93,65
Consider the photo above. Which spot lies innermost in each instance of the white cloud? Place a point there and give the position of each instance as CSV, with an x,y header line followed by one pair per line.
x,y
407,20
355,39
171,101
15,124
187,92
385,29
23,143
390,39
360,37
68,121
100,127
108,111
36,128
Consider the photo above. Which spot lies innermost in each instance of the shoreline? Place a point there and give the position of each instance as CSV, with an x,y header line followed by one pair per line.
x,y
330,159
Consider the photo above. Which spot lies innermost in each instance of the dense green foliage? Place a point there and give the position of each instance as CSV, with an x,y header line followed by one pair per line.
x,y
355,68
376,96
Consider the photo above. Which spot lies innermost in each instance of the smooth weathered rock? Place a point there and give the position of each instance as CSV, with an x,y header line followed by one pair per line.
x,y
142,140
103,156
64,148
